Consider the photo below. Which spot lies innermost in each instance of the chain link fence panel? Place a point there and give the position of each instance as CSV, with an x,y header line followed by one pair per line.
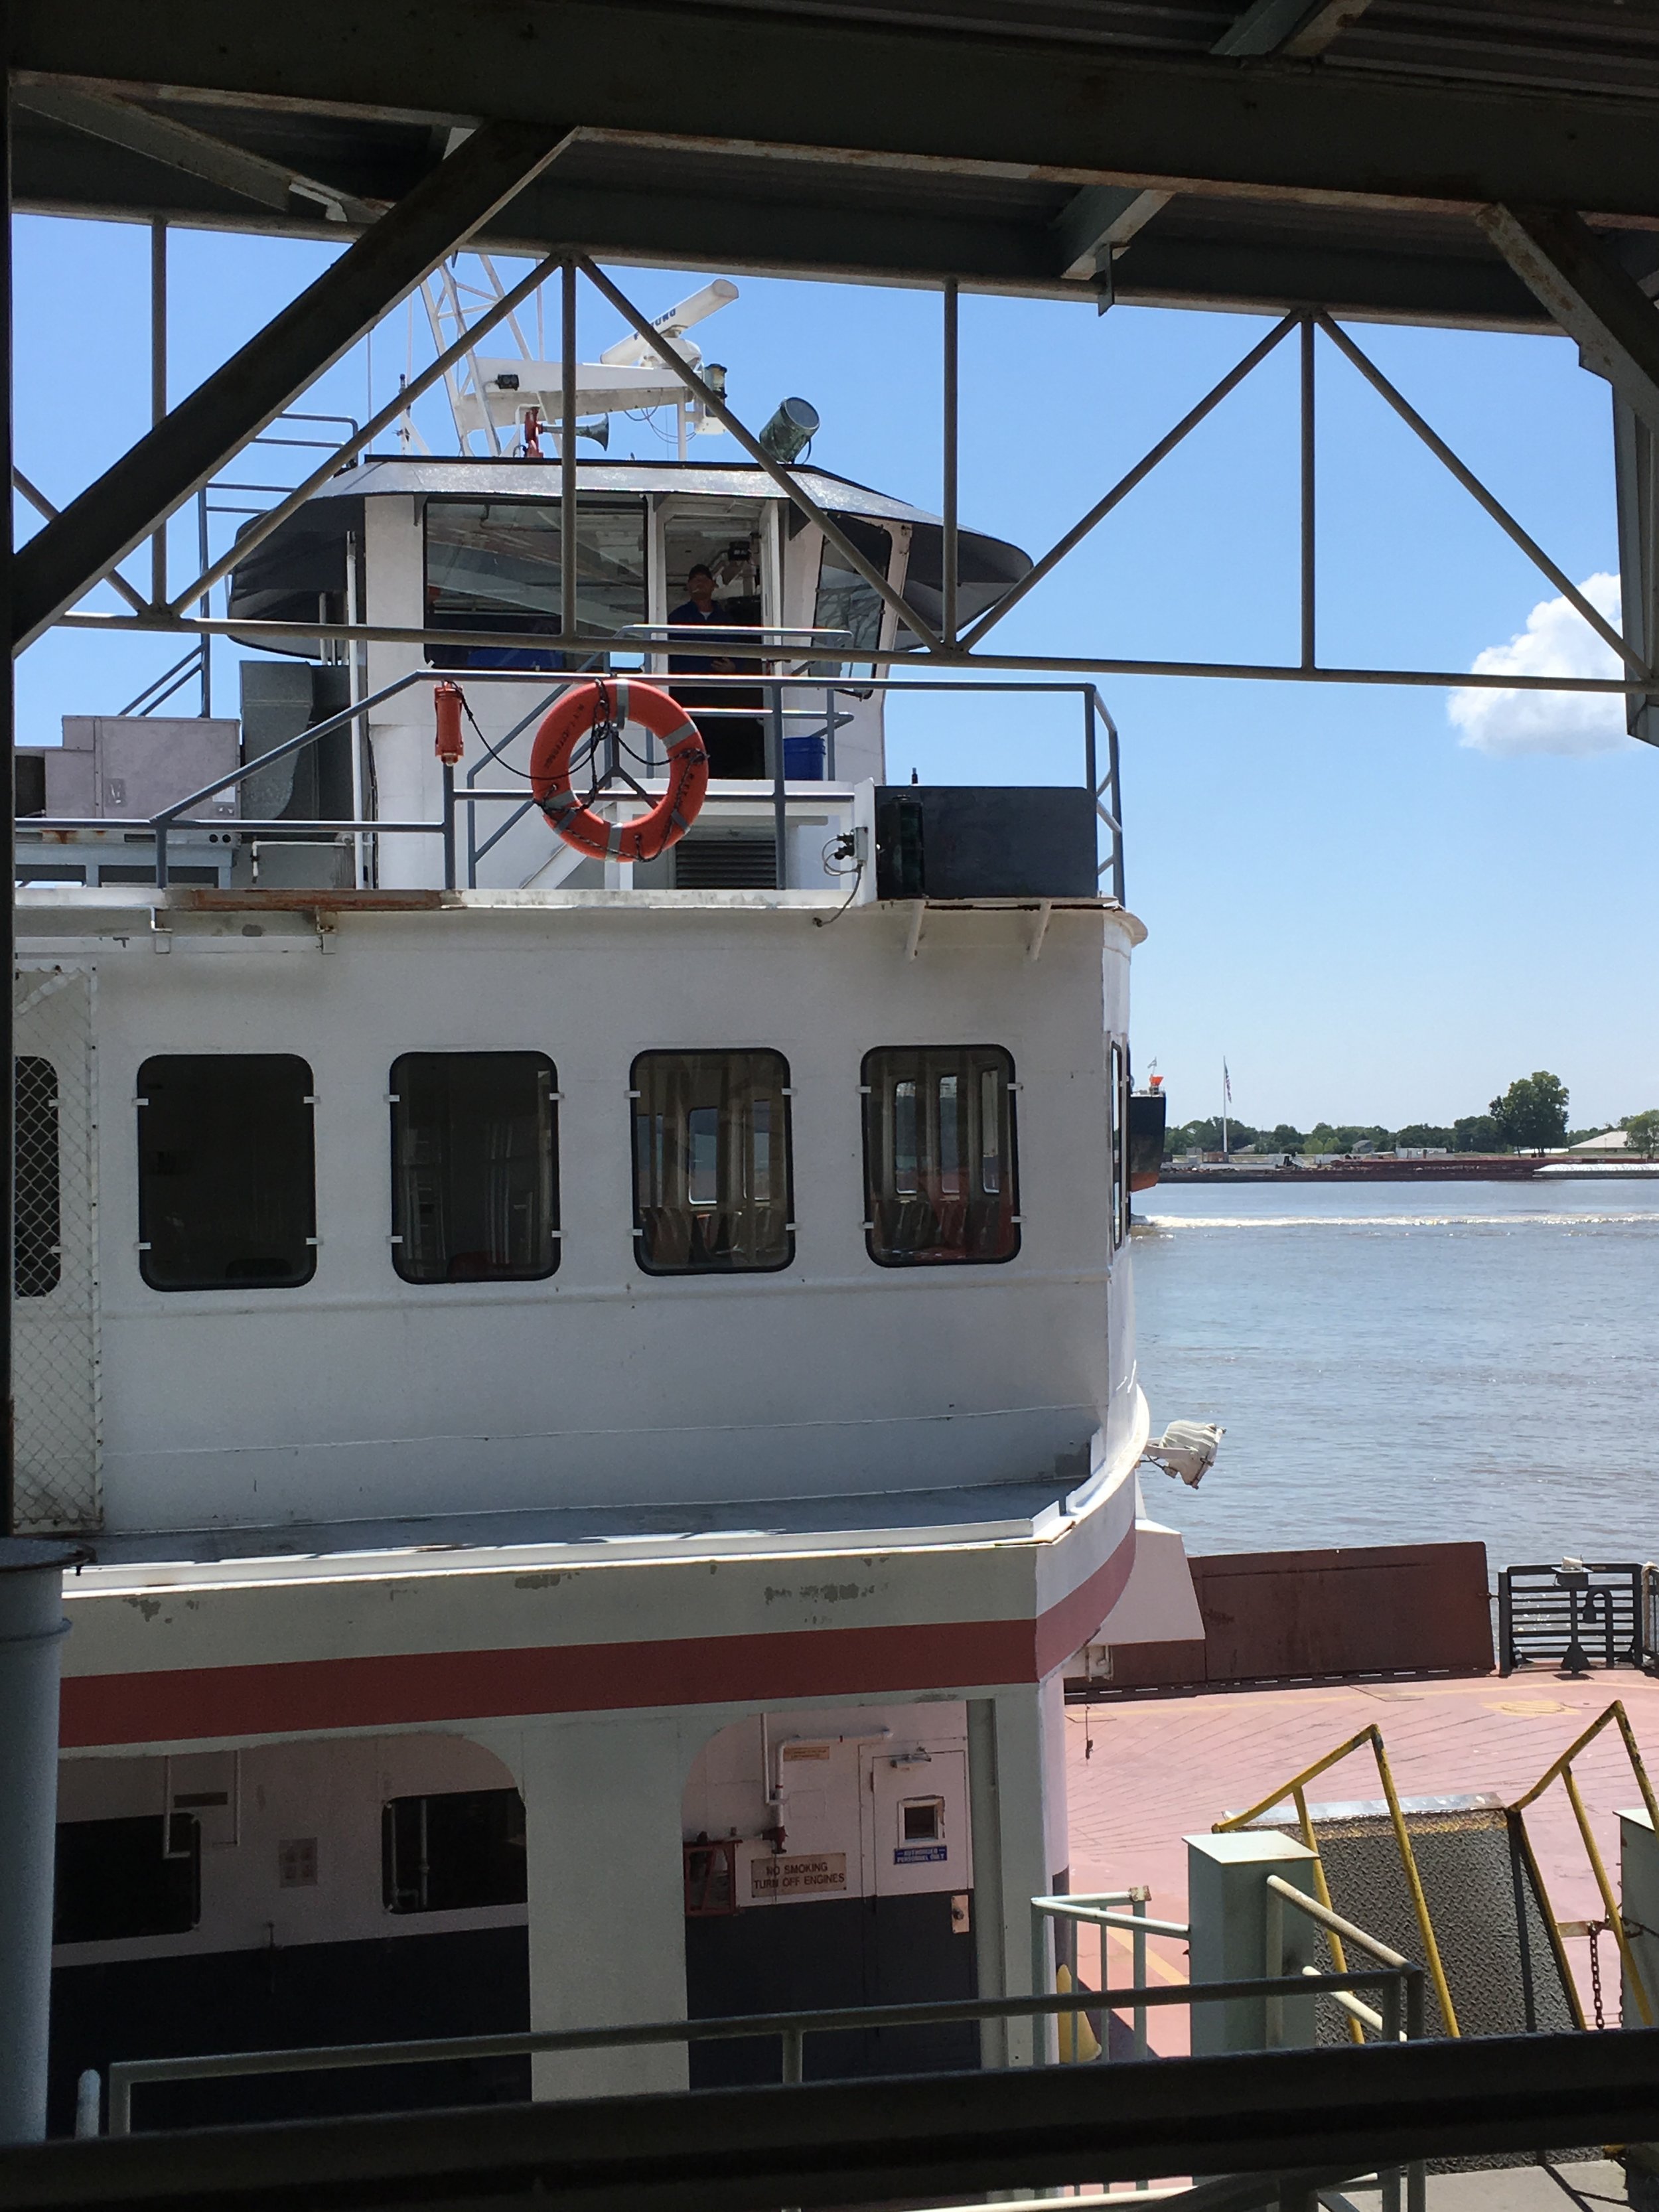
x,y
55,1253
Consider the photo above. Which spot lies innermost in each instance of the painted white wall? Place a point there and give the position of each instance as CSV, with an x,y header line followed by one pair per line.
x,y
327,1789
838,1774
359,1394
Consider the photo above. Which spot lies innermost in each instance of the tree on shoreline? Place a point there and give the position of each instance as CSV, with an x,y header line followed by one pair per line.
x,y
1532,1114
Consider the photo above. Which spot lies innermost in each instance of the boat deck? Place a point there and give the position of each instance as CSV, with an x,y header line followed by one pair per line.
x,y
1162,1767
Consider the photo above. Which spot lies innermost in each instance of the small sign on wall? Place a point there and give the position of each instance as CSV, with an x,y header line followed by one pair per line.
x,y
798,1873
919,1854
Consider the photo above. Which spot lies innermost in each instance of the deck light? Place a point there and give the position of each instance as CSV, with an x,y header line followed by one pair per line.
x,y
790,431
1187,1449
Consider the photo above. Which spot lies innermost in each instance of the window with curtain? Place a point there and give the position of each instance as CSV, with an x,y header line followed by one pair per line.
x,y
227,1171
938,1155
711,1163
474,1167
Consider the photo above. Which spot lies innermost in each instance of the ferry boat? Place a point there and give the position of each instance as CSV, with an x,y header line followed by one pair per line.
x,y
594,1368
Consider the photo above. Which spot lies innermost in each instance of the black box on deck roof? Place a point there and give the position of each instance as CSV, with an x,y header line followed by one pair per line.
x,y
950,842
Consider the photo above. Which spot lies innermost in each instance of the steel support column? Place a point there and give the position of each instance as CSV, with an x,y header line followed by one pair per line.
x,y
130,500
8,856
1636,484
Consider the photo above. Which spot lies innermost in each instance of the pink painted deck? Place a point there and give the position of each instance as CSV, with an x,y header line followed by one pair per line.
x,y
1166,1767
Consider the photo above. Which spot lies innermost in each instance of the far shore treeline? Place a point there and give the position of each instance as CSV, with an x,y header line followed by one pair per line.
x,y
1531,1117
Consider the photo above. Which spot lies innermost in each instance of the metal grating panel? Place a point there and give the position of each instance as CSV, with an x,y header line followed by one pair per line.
x,y
726,863
55,1275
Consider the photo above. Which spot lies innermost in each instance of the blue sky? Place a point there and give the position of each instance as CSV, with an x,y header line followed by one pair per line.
x,y
1370,919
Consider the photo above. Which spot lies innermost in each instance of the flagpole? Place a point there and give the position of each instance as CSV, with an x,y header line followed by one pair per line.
x,y
1226,1100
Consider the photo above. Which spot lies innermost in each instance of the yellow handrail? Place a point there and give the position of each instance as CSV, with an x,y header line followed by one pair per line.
x,y
1562,1769
1295,1787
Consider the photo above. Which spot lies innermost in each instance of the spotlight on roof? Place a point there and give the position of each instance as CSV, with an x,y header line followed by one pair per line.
x,y
790,431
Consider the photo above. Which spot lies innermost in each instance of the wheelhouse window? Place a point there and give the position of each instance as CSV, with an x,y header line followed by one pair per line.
x,y
454,1852
711,1163
846,600
938,1156
227,1172
36,1247
493,565
474,1167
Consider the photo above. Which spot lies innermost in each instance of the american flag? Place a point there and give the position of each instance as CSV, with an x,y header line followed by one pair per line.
x,y
1226,1084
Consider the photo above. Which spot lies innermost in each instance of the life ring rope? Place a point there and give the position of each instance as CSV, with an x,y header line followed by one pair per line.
x,y
600,708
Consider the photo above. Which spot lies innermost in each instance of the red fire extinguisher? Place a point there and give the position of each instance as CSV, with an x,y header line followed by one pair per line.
x,y
448,700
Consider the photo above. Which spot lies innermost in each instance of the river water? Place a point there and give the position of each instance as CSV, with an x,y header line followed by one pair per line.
x,y
1408,1362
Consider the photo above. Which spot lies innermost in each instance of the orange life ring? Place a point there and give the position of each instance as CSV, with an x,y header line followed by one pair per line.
x,y
585,707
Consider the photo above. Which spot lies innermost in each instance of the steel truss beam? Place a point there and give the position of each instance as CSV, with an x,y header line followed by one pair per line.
x,y
280,636
180,146
134,497
1000,103
785,479
948,2135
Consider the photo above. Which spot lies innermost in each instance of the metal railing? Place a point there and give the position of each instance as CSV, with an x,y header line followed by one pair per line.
x,y
1574,1614
1103,1909
1296,1790
776,711
790,2028
1561,1770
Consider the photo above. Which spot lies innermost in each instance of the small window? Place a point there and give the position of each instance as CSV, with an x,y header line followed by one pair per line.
x,y
938,1155
37,1261
922,1819
711,1162
474,1167
227,1172
121,1878
452,1853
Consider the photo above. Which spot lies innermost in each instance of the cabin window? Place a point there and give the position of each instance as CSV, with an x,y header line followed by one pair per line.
x,y
493,565
37,1257
474,1167
938,1155
120,1878
1118,1113
846,601
227,1172
711,1162
452,1853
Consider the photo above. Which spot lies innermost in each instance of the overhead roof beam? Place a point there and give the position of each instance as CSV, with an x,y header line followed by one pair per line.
x,y
1297,29
1590,293
190,445
181,146
1073,112
1102,219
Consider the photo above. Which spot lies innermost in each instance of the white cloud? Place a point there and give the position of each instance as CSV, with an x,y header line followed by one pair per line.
x,y
1556,642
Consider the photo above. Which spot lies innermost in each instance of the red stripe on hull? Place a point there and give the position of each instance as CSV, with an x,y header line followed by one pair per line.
x,y
303,1696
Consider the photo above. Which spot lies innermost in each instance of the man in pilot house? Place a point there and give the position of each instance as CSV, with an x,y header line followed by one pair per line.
x,y
735,748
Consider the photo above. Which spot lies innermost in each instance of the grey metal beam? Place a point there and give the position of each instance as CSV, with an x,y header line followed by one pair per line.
x,y
866,240
181,146
238,400
1077,113
944,2136
1297,29
1588,291
1103,219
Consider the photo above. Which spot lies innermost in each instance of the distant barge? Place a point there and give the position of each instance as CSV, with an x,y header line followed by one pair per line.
x,y
1455,1167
